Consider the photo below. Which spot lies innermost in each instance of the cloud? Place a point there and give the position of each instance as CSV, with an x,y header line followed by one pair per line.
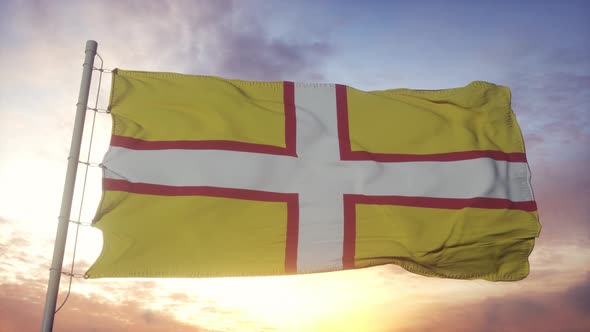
x,y
253,57
224,38
21,310
567,310
562,188
550,88
579,297
15,253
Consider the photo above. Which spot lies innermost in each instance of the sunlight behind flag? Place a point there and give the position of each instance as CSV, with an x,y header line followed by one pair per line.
x,y
211,177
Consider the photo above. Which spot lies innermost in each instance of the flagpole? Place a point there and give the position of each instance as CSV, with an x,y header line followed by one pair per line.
x,y
68,192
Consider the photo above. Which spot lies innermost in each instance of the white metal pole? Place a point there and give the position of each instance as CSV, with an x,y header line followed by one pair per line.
x,y
68,192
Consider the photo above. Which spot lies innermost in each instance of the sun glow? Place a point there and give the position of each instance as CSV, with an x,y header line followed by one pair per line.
x,y
318,302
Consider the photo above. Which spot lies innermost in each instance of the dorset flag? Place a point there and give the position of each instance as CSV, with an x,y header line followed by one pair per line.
x,y
210,177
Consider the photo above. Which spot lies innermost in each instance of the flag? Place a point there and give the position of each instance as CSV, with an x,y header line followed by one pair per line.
x,y
210,177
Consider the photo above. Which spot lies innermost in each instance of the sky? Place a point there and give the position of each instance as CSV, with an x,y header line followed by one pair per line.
x,y
540,49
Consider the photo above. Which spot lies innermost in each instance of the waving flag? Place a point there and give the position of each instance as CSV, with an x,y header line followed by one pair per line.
x,y
213,177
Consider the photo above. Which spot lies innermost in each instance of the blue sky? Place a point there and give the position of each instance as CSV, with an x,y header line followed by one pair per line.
x,y
540,49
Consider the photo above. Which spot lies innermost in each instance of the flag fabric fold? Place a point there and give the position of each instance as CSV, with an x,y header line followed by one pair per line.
x,y
211,177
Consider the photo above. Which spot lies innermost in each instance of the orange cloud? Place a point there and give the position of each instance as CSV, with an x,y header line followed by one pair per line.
x,y
21,310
